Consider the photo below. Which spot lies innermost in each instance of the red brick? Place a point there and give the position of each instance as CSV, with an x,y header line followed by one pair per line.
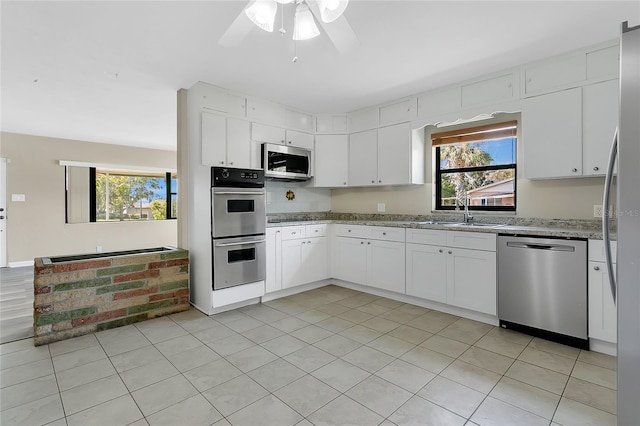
x,y
43,270
134,293
169,295
39,289
92,264
168,263
136,276
43,309
98,317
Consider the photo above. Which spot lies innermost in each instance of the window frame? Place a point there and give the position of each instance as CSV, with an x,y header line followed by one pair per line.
x,y
442,139
168,176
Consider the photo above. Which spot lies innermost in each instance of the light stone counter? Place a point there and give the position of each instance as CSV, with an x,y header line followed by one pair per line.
x,y
560,228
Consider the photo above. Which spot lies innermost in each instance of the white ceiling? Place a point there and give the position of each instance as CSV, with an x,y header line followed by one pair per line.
x,y
108,71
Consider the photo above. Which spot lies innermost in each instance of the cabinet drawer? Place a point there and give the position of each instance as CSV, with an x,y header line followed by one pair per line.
x,y
426,236
387,233
356,231
596,250
311,231
270,134
471,240
292,232
438,103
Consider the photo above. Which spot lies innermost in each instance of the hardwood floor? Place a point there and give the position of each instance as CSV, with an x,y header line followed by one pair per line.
x,y
16,303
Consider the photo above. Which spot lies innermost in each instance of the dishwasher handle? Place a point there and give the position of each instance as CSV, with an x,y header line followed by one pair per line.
x,y
535,246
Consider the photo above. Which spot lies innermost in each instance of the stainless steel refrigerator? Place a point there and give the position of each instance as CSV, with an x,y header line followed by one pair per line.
x,y
626,280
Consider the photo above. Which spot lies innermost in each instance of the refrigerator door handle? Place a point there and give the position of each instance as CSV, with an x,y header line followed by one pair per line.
x,y
613,154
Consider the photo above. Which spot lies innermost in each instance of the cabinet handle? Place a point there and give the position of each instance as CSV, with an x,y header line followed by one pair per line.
x,y
231,163
440,251
348,230
344,183
293,233
384,233
450,252
373,181
379,181
282,141
315,230
596,268
369,242
361,242
303,242
596,168
222,162
574,170
289,142
308,242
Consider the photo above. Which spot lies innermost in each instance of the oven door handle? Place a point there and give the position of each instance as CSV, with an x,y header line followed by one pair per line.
x,y
239,243
238,193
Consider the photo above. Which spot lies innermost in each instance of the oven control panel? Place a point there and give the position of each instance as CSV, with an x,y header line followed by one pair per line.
x,y
237,178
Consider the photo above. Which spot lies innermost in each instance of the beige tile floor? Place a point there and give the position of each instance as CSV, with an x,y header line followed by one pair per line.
x,y
329,356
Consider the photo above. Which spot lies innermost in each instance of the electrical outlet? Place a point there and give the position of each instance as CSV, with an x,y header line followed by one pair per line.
x,y
597,210
381,207
18,197
98,249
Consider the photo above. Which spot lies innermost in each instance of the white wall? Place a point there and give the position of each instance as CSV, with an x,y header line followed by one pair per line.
x,y
306,199
37,226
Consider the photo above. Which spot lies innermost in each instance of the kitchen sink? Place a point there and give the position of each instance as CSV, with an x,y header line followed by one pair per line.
x,y
476,225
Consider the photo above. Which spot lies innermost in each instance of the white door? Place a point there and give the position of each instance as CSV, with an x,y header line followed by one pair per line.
x,y
363,158
314,258
394,154
427,272
292,270
471,279
332,160
3,212
238,143
386,265
350,260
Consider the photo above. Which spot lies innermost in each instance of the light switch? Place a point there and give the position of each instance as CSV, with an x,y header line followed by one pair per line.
x,y
18,197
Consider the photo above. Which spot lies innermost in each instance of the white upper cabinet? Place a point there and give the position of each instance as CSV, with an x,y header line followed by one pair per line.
x,y
217,99
398,112
299,139
435,104
278,115
552,135
603,63
331,123
394,154
268,134
225,141
363,158
555,73
600,118
365,119
495,89
331,161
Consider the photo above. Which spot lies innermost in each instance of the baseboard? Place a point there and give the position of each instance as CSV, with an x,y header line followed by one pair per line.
x,y
20,264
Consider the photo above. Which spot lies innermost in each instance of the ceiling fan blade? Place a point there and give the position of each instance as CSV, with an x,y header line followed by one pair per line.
x,y
339,31
237,31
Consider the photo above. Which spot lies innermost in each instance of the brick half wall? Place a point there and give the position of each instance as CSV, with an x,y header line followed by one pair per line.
x,y
80,297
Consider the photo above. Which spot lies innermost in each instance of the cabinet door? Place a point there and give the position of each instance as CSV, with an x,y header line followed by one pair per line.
x,y
363,158
332,161
557,72
386,265
273,280
471,280
269,134
292,263
238,143
552,135
315,261
600,119
426,272
350,259
394,154
488,91
299,139
213,140
602,310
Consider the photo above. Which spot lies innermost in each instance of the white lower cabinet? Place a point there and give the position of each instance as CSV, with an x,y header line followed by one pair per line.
x,y
602,311
370,255
459,270
293,258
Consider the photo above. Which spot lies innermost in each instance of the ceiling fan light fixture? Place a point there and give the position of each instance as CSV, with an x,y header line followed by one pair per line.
x,y
304,26
330,10
262,13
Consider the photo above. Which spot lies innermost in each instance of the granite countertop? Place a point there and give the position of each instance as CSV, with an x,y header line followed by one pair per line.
x,y
562,228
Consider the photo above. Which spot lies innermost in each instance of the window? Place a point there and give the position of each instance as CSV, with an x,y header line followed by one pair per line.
x,y
478,164
121,195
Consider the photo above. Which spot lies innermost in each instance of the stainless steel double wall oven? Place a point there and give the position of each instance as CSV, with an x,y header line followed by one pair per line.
x,y
237,226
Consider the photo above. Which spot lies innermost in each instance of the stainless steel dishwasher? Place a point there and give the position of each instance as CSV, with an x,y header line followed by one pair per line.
x,y
542,288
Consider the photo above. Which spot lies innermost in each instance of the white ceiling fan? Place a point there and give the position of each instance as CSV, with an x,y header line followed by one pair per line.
x,y
262,13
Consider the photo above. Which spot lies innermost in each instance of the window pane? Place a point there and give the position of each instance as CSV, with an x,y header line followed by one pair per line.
x,y
476,154
174,206
484,188
130,197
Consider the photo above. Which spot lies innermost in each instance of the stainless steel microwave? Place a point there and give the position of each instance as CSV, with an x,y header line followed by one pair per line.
x,y
286,162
